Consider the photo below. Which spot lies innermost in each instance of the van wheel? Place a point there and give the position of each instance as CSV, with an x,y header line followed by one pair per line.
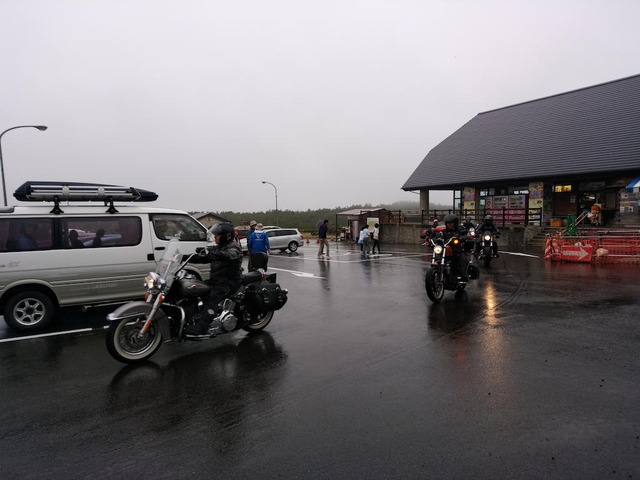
x,y
28,311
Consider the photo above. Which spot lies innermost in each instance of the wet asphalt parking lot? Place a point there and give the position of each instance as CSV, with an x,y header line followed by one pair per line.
x,y
533,372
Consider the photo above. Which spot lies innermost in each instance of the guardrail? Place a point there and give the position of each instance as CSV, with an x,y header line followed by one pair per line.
x,y
606,247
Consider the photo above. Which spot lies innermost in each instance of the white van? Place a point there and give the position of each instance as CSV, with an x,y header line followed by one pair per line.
x,y
70,254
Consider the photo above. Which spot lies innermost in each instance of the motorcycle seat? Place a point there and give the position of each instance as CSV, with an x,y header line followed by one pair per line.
x,y
251,277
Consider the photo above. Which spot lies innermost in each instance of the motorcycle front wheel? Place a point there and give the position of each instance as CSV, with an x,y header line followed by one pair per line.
x,y
256,322
433,285
125,343
487,256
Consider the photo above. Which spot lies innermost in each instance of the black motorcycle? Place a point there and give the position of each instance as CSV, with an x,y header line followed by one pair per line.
x,y
443,274
487,248
176,298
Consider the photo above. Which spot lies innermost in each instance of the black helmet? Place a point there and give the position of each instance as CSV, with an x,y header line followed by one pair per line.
x,y
488,219
451,218
225,230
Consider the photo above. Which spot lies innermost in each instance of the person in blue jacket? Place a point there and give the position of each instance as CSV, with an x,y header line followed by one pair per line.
x,y
258,241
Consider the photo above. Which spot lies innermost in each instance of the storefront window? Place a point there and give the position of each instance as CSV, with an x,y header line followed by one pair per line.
x,y
457,199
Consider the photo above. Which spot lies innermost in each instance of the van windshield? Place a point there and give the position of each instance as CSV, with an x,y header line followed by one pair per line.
x,y
182,227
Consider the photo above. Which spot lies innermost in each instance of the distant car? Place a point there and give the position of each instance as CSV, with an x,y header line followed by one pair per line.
x,y
280,239
243,232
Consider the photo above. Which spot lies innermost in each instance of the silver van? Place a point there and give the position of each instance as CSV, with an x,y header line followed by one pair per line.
x,y
83,255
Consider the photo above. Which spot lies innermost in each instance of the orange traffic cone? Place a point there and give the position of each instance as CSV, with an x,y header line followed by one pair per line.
x,y
307,239
317,239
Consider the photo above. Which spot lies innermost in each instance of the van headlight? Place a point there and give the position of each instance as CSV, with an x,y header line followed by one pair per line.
x,y
437,249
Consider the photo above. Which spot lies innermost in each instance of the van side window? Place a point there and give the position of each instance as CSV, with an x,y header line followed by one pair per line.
x,y
97,232
26,234
183,227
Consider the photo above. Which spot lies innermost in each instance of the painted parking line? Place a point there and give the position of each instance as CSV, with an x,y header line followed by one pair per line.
x,y
53,334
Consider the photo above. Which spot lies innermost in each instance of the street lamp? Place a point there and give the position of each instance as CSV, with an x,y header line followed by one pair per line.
x,y
276,198
42,128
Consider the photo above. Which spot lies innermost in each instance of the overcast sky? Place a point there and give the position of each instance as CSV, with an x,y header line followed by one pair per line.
x,y
336,102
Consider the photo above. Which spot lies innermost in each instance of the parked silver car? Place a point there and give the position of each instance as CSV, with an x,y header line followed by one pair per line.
x,y
281,239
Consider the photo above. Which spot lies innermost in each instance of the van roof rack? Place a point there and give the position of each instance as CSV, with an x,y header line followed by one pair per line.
x,y
80,192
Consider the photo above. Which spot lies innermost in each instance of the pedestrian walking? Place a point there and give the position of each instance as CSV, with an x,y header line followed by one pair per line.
x,y
322,239
252,228
366,244
376,239
259,241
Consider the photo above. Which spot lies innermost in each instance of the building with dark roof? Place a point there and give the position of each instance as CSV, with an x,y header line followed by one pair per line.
x,y
208,219
544,159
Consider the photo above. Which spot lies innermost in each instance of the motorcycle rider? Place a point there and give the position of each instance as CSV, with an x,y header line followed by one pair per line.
x,y
470,244
225,277
487,225
454,230
430,232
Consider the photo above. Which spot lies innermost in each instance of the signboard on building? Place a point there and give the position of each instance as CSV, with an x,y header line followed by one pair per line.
x,y
469,196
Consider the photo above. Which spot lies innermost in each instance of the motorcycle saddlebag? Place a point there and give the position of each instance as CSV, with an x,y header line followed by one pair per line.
x,y
264,297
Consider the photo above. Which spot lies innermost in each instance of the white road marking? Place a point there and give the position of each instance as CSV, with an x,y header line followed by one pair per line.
x,y
521,254
52,334
296,273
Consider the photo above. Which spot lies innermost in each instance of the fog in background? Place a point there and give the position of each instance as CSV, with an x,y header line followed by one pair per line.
x,y
334,102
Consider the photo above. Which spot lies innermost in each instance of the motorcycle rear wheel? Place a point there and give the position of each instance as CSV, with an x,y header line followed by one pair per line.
x,y
433,285
126,346
257,322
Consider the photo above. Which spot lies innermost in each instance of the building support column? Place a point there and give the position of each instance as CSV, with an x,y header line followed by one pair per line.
x,y
424,200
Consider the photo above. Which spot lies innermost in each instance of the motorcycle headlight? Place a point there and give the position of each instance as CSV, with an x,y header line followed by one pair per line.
x,y
487,238
437,249
154,282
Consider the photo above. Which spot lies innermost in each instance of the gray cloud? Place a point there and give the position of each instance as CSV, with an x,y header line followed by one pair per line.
x,y
336,103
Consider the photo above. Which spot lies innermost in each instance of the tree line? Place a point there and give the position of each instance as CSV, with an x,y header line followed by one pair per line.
x,y
308,219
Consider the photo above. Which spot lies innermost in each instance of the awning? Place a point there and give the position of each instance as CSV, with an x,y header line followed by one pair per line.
x,y
634,186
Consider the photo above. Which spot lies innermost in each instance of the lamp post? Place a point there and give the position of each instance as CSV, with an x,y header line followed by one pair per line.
x,y
42,128
276,199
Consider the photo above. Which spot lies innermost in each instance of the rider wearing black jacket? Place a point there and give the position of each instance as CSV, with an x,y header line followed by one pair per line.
x,y
452,230
225,277
487,225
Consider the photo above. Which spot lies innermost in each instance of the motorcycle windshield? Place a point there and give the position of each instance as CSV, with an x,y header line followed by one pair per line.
x,y
170,262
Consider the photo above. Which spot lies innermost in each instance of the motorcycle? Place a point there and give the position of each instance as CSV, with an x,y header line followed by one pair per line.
x,y
175,299
428,234
443,275
486,249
